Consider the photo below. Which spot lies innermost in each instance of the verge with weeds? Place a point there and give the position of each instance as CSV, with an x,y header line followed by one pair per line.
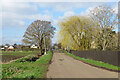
x,y
22,68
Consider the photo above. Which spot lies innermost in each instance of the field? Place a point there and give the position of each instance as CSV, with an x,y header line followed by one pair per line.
x,y
19,52
7,56
27,67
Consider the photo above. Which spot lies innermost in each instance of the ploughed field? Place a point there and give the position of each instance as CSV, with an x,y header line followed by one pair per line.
x,y
7,56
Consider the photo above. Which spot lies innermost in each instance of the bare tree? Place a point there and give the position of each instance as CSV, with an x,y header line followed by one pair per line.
x,y
36,33
106,20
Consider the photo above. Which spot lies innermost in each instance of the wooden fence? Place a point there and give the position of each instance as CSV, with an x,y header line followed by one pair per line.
x,y
111,57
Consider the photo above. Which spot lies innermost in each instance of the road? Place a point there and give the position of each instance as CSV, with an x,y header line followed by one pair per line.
x,y
64,66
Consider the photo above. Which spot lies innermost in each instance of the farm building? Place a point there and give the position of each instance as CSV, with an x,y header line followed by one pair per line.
x,y
34,46
2,48
10,48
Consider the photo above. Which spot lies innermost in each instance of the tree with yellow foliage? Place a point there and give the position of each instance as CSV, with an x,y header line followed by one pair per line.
x,y
76,32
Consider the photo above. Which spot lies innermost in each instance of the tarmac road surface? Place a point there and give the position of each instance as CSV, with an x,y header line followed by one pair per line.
x,y
64,66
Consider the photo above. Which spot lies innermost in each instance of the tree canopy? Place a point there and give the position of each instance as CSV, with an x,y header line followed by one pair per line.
x,y
93,31
37,32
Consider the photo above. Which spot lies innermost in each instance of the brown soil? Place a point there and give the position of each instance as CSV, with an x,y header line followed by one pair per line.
x,y
8,58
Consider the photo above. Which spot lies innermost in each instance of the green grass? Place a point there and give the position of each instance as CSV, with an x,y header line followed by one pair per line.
x,y
19,52
35,69
94,62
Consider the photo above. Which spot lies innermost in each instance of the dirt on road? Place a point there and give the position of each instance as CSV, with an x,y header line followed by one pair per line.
x,y
64,66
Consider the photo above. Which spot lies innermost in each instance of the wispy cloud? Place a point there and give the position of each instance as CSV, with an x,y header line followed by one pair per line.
x,y
61,0
19,14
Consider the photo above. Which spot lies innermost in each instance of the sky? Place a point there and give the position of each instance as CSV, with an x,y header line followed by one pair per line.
x,y
15,17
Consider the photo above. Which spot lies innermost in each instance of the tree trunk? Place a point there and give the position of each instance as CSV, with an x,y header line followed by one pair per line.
x,y
40,49
103,46
40,46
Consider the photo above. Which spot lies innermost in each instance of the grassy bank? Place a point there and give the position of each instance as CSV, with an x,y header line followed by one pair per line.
x,y
95,63
24,69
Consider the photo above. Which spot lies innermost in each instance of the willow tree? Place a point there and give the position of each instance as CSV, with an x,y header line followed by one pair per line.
x,y
106,20
37,32
75,32
118,40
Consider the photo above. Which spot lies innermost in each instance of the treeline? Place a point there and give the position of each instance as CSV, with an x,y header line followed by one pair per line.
x,y
94,31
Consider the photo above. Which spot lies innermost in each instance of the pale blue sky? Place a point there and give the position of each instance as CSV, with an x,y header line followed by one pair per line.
x,y
16,17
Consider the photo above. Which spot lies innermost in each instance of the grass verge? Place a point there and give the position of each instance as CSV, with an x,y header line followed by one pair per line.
x,y
20,69
95,63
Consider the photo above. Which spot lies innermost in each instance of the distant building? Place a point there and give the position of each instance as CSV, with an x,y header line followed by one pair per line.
x,y
10,48
34,46
2,48
57,46
6,46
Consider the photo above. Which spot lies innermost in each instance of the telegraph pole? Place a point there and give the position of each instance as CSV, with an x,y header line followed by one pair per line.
x,y
45,46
